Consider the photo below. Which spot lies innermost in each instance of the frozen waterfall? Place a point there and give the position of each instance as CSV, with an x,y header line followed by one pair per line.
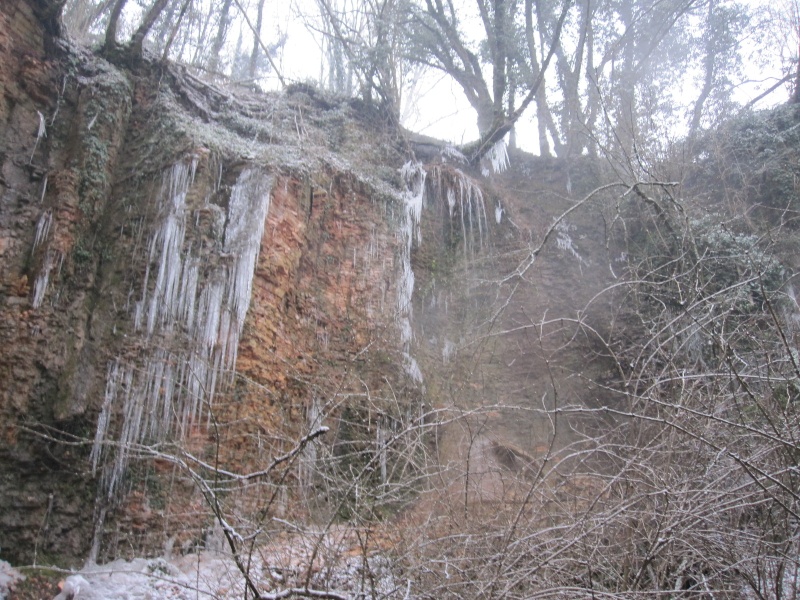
x,y
188,318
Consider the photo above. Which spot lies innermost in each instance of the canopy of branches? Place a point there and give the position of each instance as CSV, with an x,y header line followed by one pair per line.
x,y
589,77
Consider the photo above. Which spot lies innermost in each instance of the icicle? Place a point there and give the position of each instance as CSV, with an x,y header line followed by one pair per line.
x,y
191,317
448,351
414,178
112,381
454,154
323,338
498,156
373,251
451,200
52,260
411,367
564,240
168,244
138,311
465,195
210,309
247,213
42,229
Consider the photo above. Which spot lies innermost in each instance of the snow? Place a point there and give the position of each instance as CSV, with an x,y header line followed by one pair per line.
x,y
8,577
215,575
206,575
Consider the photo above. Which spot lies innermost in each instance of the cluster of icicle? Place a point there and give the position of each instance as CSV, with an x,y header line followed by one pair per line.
x,y
414,176
372,257
464,193
52,259
465,202
188,318
496,157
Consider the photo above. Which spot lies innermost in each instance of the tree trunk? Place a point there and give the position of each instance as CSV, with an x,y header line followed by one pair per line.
x,y
219,39
137,41
476,150
111,28
708,75
252,68
795,99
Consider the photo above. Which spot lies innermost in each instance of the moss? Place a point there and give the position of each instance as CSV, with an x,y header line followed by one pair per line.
x,y
81,255
753,158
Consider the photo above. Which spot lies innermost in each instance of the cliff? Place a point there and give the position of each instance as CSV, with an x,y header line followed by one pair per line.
x,y
197,281
180,264
292,350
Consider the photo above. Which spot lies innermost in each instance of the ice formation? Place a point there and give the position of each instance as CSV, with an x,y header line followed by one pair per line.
x,y
497,157
381,438
188,318
464,202
52,259
454,154
414,176
448,351
43,226
368,259
308,456
564,240
464,194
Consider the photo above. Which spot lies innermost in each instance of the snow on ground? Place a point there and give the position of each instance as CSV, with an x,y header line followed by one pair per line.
x,y
8,576
213,575
205,575
276,567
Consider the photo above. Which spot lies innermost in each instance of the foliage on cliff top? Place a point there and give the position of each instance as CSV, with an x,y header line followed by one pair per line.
x,y
753,161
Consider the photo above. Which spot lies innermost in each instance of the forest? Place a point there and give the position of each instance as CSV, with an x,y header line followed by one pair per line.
x,y
399,299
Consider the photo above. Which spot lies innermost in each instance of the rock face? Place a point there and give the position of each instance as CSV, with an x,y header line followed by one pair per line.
x,y
175,255
195,279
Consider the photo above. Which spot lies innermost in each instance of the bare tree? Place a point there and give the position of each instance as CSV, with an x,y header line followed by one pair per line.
x,y
441,44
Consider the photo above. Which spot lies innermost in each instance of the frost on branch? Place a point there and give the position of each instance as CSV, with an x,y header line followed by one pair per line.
x,y
564,240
